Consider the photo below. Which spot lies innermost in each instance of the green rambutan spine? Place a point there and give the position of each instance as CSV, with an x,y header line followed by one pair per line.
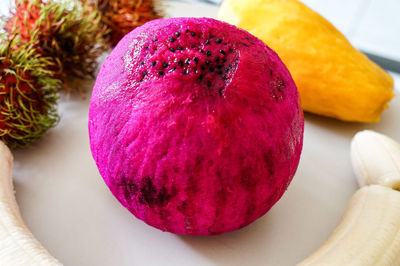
x,y
28,93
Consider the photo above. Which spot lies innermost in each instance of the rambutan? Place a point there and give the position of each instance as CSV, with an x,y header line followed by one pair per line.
x,y
122,16
69,32
28,93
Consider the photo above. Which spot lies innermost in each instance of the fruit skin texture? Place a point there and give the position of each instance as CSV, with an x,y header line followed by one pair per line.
x,y
333,78
184,147
28,94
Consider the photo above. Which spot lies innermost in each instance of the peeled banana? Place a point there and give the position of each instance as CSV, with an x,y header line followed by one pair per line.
x,y
376,159
17,244
369,232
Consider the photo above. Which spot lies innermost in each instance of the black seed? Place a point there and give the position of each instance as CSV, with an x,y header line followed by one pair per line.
x,y
180,48
209,83
146,47
177,34
155,39
201,77
225,43
219,66
224,78
187,61
230,50
245,45
270,72
141,63
217,59
193,33
211,69
165,64
221,92
160,73
227,70
144,73
208,62
171,39
172,69
212,36
207,42
202,51
208,53
196,59
180,62
203,68
187,31
153,63
224,60
222,52
172,49
219,72
218,41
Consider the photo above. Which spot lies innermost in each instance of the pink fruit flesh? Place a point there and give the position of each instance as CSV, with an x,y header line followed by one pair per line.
x,y
195,125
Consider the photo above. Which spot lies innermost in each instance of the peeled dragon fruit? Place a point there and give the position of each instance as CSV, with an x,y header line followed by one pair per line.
x,y
195,125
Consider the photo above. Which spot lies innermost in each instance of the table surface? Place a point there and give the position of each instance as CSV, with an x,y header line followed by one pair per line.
x,y
70,210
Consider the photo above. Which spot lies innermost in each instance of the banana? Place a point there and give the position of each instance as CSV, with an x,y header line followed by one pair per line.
x,y
17,244
368,234
376,159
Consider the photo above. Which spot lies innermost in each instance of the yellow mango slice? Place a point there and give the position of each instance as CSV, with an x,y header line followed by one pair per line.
x,y
334,79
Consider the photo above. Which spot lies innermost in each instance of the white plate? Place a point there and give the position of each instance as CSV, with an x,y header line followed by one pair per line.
x,y
70,210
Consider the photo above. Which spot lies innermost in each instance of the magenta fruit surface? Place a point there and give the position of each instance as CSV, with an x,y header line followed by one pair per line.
x,y
195,125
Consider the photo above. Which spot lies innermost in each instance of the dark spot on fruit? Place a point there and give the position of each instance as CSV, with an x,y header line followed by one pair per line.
x,y
187,61
216,59
230,50
202,51
208,62
224,60
245,45
128,188
209,83
193,33
221,92
172,69
187,72
203,68
148,194
208,53
270,72
196,59
227,70
207,42
141,63
220,66
144,73
218,41
187,31
212,36
180,62
171,39
160,73
219,72
172,49
155,40
201,77
153,63
225,78
165,64
180,48
211,69
177,34
146,47
222,52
